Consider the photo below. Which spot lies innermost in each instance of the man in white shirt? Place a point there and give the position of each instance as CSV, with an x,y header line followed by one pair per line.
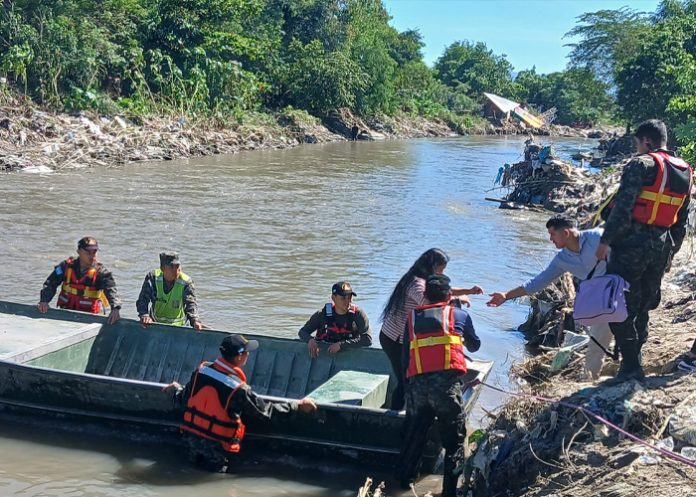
x,y
576,256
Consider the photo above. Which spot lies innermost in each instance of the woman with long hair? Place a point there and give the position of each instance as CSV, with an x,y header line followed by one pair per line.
x,y
408,294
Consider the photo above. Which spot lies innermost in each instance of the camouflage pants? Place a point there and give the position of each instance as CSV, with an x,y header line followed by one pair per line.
x,y
433,397
642,266
207,454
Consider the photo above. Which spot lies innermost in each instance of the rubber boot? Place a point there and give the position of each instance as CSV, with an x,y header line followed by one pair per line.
x,y
630,368
449,477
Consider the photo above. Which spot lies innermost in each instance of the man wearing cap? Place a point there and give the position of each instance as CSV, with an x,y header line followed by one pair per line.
x,y
85,284
434,363
217,398
340,324
168,295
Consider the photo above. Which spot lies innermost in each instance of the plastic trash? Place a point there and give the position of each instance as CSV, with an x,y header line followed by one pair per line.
x,y
649,460
682,421
689,453
120,121
93,128
666,444
51,148
36,169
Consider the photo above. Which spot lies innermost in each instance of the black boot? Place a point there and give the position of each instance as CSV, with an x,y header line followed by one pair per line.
x,y
630,368
449,478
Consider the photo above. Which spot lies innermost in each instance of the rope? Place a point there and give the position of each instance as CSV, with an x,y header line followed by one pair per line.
x,y
667,453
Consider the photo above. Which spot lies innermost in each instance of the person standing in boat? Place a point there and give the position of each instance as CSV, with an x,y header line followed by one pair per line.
x,y
85,284
434,366
216,399
168,295
577,257
408,294
340,324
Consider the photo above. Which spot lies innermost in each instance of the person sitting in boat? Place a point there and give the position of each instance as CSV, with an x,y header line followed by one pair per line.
x,y
85,284
168,295
216,399
340,324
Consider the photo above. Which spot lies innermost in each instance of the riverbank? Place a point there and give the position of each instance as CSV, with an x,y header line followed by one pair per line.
x,y
34,139
535,447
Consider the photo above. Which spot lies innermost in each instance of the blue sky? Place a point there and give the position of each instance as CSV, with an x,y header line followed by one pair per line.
x,y
530,33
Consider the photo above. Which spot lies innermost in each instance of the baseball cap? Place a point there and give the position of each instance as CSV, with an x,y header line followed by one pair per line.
x,y
343,288
88,243
236,344
169,259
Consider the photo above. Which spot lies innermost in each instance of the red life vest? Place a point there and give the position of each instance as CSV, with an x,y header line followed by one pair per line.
x,y
659,203
82,294
206,413
332,332
433,343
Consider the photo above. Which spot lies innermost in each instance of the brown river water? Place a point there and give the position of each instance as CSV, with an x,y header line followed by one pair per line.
x,y
264,235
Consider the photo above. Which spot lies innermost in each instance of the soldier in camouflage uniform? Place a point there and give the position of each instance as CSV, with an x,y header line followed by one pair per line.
x,y
433,391
640,252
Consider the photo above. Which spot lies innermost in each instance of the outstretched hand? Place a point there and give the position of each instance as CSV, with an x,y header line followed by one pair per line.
x,y
475,290
497,299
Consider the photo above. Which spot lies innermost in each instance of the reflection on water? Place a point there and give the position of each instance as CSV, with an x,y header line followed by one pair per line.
x,y
264,235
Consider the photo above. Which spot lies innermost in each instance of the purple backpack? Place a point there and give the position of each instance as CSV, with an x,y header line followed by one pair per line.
x,y
601,300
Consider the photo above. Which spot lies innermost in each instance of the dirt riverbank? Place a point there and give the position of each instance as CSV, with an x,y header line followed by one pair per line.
x,y
535,448
34,139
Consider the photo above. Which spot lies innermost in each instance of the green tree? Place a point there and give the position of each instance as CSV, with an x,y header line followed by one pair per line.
x,y
648,81
321,81
477,67
579,97
608,38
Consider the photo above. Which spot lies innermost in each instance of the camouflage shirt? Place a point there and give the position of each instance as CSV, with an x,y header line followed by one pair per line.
x,y
620,227
148,296
105,282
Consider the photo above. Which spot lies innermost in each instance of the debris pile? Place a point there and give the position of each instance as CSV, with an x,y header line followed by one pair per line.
x,y
537,448
543,179
616,149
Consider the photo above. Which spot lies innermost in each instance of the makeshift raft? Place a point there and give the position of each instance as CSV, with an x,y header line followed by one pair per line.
x,y
69,366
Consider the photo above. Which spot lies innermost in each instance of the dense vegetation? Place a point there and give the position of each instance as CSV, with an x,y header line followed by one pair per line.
x,y
650,62
227,58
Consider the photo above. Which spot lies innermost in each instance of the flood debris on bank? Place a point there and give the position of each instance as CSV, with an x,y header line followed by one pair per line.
x,y
544,180
34,139
535,448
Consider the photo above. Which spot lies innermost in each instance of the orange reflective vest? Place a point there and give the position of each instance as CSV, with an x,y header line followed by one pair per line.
x,y
82,294
206,414
331,331
658,204
434,345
